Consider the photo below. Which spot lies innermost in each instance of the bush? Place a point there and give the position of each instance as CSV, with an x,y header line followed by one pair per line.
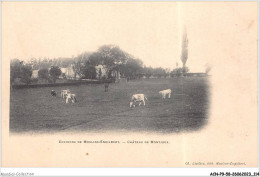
x,y
34,80
63,76
43,74
18,70
89,72
55,72
185,70
15,70
176,72
26,74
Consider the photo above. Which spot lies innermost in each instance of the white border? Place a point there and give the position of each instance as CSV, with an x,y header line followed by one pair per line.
x,y
123,171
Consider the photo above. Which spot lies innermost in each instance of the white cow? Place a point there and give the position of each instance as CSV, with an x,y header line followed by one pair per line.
x,y
164,93
137,98
64,92
70,96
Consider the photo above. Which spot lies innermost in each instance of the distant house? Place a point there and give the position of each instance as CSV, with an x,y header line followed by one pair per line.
x,y
101,71
116,74
35,73
68,72
63,73
195,74
63,70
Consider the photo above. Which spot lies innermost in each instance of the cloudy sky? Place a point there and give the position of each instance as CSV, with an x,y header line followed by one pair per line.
x,y
148,30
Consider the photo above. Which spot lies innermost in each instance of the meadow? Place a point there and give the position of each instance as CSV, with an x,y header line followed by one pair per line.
x,y
35,110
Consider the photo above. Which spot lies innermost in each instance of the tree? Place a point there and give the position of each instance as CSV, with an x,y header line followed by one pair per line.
x,y
96,59
167,72
78,63
19,70
111,56
148,72
89,71
55,72
77,68
83,57
26,74
176,72
43,74
159,72
44,64
184,54
208,68
131,68
185,70
113,59
99,73
34,63
15,69
179,71
63,75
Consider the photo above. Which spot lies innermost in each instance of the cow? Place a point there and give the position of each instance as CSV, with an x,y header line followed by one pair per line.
x,y
137,98
53,93
106,87
70,96
64,92
164,93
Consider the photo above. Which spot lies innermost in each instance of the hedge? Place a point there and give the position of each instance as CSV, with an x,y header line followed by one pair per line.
x,y
60,84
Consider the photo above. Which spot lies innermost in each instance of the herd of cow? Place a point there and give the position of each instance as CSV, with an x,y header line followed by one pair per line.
x,y
65,94
137,99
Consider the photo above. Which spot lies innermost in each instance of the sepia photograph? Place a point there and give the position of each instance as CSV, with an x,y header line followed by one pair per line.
x,y
108,89
145,80
174,83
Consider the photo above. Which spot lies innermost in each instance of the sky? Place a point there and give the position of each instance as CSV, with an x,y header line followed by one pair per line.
x,y
151,31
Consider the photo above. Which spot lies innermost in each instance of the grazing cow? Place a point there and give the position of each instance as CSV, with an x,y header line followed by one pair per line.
x,y
164,93
64,92
137,98
70,96
106,87
53,93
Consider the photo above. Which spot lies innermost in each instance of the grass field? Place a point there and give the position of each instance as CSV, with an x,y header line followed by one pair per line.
x,y
35,110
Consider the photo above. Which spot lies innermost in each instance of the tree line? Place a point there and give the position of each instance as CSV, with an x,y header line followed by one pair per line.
x,y
23,71
83,65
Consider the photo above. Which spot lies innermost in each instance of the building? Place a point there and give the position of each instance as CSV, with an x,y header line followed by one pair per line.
x,y
68,72
195,74
101,71
35,73
116,74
